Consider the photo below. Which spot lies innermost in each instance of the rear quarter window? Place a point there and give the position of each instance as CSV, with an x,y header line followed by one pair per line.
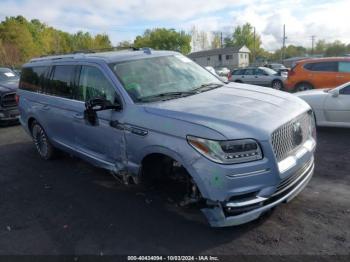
x,y
238,72
344,67
32,78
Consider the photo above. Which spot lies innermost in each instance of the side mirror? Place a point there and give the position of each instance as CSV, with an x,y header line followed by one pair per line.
x,y
335,93
98,104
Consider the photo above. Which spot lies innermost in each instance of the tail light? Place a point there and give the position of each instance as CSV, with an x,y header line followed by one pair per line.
x,y
291,73
17,99
229,75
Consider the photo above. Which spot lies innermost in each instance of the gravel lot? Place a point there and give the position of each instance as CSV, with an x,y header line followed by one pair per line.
x,y
66,206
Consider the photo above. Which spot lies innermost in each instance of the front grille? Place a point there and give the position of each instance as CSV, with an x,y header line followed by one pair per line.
x,y
8,100
292,179
285,139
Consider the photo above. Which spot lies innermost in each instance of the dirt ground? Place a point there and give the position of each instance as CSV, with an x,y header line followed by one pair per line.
x,y
66,206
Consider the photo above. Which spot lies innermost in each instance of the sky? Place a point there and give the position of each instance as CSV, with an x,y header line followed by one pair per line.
x,y
125,19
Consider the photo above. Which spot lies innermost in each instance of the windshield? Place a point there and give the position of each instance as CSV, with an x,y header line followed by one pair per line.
x,y
7,74
151,77
278,66
269,71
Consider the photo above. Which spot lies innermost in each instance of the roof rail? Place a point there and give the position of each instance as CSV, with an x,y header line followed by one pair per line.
x,y
80,53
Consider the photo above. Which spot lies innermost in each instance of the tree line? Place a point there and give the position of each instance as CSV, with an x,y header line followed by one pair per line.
x,y
21,40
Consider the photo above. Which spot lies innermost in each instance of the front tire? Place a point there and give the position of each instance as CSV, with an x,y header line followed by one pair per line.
x,y
42,143
277,84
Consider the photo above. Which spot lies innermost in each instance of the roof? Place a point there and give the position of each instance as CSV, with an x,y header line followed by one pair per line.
x,y
108,57
218,51
324,59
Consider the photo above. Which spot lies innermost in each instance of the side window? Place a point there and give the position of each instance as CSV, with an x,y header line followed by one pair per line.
x,y
249,72
344,67
345,91
62,81
238,72
259,72
322,66
93,83
308,66
32,78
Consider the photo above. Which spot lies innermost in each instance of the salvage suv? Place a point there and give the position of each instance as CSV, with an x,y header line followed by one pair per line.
x,y
148,115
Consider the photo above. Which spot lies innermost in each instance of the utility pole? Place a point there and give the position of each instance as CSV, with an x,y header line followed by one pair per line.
x,y
283,43
312,44
221,40
254,50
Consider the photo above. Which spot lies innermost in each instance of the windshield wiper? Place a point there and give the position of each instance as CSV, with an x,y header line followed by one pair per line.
x,y
165,96
207,87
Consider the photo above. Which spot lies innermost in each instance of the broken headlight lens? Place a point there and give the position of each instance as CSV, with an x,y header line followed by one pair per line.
x,y
227,152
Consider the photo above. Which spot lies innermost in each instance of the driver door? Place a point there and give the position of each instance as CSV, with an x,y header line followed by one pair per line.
x,y
337,108
101,142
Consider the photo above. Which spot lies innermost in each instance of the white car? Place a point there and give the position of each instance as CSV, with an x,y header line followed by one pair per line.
x,y
212,70
331,106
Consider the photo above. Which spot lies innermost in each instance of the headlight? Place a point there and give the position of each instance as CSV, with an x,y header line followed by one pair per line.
x,y
312,125
227,152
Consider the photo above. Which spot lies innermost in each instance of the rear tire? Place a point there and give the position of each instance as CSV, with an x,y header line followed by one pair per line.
x,y
42,143
277,84
303,87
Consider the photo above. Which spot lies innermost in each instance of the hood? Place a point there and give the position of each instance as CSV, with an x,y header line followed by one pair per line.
x,y
9,86
234,110
312,92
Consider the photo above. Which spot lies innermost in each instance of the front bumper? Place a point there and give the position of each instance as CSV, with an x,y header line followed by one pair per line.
x,y
220,217
9,114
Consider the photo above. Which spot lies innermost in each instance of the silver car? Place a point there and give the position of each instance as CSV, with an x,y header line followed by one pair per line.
x,y
261,76
235,150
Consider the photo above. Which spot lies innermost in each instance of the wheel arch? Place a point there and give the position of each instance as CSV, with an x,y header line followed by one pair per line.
x,y
304,82
170,153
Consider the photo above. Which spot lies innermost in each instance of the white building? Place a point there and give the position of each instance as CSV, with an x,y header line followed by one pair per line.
x,y
230,57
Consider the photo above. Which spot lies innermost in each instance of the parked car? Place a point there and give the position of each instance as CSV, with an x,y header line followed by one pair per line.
x,y
17,71
279,68
8,86
331,106
237,150
222,71
212,70
317,73
261,76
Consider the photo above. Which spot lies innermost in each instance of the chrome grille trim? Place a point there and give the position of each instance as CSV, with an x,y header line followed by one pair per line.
x,y
282,138
8,100
294,178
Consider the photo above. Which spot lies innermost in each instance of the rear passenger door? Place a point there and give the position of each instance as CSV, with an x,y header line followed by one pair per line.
x,y
100,143
323,74
56,105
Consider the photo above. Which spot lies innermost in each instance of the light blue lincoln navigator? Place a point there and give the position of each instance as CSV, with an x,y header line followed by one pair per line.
x,y
146,115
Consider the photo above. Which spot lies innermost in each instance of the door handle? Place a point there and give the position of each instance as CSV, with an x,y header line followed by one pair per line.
x,y
256,76
79,116
340,76
45,107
